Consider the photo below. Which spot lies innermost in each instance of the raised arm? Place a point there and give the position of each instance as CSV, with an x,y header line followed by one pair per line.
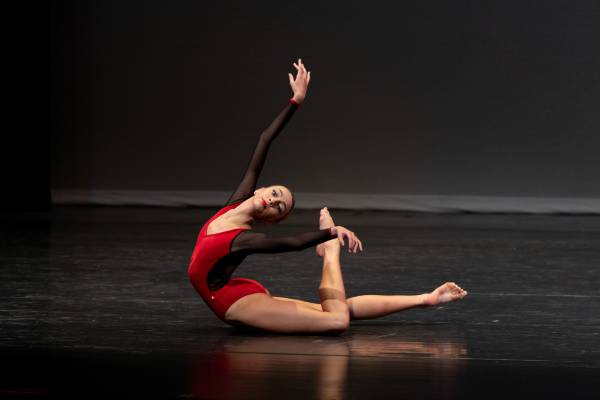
x,y
299,86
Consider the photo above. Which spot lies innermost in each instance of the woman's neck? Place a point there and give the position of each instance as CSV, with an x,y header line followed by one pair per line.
x,y
241,215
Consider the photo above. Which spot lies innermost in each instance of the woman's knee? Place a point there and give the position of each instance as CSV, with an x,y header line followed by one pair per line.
x,y
340,322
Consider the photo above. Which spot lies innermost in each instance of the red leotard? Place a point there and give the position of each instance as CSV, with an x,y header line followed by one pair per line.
x,y
208,251
216,256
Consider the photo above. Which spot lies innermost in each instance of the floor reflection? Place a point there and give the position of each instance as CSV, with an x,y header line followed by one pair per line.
x,y
246,366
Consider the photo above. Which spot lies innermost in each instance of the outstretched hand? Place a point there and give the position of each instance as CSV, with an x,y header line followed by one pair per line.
x,y
300,83
354,242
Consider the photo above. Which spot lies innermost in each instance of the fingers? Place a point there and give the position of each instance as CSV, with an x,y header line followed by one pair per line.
x,y
460,290
357,244
302,72
354,243
291,77
341,231
351,242
299,66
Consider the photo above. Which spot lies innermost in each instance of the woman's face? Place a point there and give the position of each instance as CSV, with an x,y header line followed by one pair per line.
x,y
272,203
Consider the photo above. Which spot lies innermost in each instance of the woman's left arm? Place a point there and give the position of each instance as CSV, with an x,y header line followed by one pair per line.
x,y
250,242
248,184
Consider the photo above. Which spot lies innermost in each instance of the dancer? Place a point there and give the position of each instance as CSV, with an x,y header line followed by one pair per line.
x,y
226,240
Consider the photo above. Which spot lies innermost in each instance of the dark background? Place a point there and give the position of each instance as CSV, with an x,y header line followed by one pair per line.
x,y
456,98
452,98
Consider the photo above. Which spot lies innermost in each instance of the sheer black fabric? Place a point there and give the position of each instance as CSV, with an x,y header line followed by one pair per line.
x,y
247,243
250,242
248,184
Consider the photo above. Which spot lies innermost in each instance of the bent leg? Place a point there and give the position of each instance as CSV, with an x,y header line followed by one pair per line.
x,y
331,290
314,306
294,316
265,312
282,315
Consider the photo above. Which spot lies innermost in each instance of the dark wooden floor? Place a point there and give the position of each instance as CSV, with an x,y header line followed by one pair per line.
x,y
95,302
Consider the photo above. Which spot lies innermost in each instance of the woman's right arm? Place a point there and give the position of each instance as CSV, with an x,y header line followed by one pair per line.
x,y
248,184
299,86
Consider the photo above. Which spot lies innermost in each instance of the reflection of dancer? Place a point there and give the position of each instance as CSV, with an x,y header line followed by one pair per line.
x,y
225,241
242,365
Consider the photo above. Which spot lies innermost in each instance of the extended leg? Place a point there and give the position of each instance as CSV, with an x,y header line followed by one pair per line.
x,y
375,306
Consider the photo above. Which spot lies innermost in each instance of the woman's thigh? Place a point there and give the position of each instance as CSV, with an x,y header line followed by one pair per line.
x,y
314,306
283,315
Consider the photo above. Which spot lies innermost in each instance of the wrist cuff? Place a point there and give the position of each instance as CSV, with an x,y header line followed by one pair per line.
x,y
294,102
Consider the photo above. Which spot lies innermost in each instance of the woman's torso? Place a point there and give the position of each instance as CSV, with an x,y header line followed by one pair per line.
x,y
212,262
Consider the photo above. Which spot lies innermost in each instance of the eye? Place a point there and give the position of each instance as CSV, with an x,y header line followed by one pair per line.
x,y
274,192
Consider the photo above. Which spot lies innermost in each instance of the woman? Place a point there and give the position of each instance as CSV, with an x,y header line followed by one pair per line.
x,y
226,240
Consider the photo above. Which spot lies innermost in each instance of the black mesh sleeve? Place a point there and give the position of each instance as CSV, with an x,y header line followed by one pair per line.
x,y
249,242
248,184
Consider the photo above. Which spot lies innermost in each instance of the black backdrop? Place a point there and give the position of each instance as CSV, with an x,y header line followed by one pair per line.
x,y
25,139
458,98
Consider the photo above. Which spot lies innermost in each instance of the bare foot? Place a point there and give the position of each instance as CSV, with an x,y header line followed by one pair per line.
x,y
449,291
325,221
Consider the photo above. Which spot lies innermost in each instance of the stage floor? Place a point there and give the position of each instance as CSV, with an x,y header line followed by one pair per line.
x,y
95,302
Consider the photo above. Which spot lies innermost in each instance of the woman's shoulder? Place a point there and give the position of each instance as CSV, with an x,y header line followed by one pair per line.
x,y
236,202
